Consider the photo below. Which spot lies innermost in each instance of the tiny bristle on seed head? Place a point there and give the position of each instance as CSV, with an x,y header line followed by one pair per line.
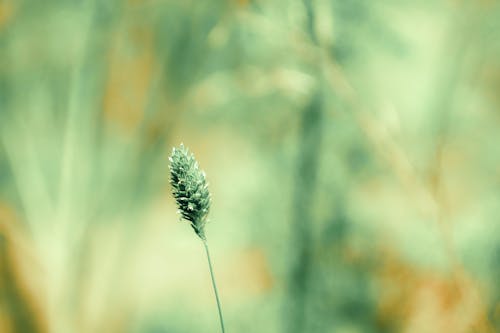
x,y
189,188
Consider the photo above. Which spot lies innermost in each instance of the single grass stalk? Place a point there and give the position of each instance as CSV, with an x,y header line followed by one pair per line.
x,y
190,190
219,308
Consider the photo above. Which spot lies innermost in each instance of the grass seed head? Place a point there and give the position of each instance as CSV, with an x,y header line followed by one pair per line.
x,y
189,188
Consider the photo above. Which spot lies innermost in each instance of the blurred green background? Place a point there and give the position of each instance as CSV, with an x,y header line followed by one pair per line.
x,y
352,151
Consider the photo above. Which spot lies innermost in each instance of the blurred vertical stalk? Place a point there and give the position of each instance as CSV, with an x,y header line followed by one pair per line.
x,y
301,232
295,320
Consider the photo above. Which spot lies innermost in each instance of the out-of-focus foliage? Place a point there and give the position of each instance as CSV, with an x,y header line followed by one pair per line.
x,y
350,147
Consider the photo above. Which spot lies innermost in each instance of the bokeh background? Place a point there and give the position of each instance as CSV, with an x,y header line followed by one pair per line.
x,y
352,150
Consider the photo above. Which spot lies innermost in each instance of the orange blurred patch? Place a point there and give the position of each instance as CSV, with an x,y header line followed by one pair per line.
x,y
248,274
131,69
6,13
20,299
414,300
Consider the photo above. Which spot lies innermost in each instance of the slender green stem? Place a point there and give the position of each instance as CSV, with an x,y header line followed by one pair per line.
x,y
215,286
